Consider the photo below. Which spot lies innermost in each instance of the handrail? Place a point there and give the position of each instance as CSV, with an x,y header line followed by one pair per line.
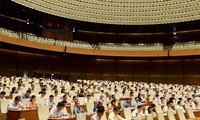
x,y
20,42
32,41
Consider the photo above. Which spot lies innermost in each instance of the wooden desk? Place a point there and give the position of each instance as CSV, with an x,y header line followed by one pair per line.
x,y
29,114
197,113
88,117
62,119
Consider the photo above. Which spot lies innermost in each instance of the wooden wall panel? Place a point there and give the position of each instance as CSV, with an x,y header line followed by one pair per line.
x,y
93,69
157,71
175,71
7,62
26,61
141,70
109,69
125,70
77,68
61,67
43,65
192,72
181,71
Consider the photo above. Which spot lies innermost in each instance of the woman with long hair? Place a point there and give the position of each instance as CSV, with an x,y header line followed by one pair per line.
x,y
112,105
151,111
32,103
13,91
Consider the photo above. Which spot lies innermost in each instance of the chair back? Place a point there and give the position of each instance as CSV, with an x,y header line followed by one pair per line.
x,y
41,101
90,106
190,113
155,102
104,116
187,105
72,107
25,101
160,116
4,106
81,100
181,114
148,117
158,109
43,112
170,115
81,116
137,118
127,113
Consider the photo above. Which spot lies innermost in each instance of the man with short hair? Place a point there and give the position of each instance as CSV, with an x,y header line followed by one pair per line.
x,y
99,104
81,94
15,104
137,102
26,95
180,106
115,115
87,99
2,95
50,102
167,107
64,99
4,87
57,112
127,104
42,95
77,108
98,114
138,112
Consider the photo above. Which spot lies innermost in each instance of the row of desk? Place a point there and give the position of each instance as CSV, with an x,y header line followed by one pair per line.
x,y
31,114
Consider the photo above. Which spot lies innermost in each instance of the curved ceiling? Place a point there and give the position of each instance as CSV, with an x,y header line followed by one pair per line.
x,y
120,12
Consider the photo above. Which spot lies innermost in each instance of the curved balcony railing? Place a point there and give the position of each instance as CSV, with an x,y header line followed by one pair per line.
x,y
101,49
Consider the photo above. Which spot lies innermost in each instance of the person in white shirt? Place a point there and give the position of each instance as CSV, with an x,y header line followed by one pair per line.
x,y
57,112
137,102
180,106
26,95
15,104
138,113
50,102
196,106
42,95
156,97
168,107
98,114
115,114
196,98
109,99
150,111
101,97
87,99
189,100
162,101
56,95
122,95
4,88
2,95
19,87
181,99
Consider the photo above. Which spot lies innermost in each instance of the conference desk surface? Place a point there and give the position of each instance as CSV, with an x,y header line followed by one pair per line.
x,y
88,117
62,119
28,114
